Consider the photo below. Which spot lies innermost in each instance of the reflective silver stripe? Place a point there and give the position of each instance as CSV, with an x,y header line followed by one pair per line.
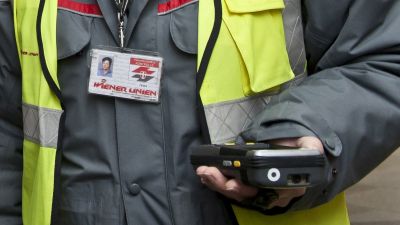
x,y
294,37
41,125
293,82
227,119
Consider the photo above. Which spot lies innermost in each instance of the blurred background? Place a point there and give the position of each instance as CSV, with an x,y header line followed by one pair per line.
x,y
375,200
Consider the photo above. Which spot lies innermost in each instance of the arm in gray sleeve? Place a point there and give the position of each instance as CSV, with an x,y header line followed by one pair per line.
x,y
351,101
10,122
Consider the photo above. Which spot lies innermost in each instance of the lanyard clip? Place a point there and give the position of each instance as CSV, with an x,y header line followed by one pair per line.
x,y
121,8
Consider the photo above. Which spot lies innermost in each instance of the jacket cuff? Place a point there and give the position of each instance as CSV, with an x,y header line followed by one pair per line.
x,y
280,130
282,121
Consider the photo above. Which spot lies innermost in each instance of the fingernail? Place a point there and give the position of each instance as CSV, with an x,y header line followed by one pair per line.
x,y
204,174
232,189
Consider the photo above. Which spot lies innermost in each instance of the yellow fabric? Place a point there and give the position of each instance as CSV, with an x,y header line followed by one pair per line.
x,y
220,87
250,53
38,180
240,72
38,161
332,213
35,90
250,57
240,6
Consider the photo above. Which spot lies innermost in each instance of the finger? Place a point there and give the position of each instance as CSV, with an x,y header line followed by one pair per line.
x,y
238,190
290,142
212,177
228,192
281,202
290,193
201,170
286,195
310,142
215,180
304,142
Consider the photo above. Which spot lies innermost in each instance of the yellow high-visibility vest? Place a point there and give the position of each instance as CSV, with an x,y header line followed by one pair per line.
x,y
247,61
239,56
41,107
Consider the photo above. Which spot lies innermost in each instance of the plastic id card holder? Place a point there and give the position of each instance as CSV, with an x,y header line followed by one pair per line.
x,y
125,73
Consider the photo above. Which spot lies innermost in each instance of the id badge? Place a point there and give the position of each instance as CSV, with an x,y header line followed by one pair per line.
x,y
126,74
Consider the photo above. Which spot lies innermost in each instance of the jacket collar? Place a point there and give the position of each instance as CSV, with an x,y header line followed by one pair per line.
x,y
109,11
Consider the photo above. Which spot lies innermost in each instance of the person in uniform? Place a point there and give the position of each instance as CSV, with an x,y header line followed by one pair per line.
x,y
126,161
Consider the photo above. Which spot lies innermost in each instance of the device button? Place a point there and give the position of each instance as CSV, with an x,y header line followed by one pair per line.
x,y
237,163
273,174
227,163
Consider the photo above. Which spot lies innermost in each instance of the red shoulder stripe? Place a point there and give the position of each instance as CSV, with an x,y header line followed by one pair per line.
x,y
171,5
83,8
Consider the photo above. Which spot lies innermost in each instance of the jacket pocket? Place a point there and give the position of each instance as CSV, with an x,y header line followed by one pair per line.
x,y
250,6
73,33
256,27
183,27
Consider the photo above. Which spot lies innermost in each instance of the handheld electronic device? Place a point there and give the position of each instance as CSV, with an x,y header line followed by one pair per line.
x,y
264,165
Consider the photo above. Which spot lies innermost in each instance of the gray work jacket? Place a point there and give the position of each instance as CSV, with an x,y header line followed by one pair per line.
x,y
127,162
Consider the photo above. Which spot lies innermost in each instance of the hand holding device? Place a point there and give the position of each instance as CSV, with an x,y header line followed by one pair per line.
x,y
264,165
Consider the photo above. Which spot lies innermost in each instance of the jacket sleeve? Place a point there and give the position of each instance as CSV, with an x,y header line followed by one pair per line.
x,y
10,122
351,101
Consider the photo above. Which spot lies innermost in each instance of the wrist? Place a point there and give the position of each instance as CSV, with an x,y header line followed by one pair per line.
x,y
261,200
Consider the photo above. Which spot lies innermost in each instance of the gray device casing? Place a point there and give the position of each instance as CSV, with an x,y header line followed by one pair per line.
x,y
264,165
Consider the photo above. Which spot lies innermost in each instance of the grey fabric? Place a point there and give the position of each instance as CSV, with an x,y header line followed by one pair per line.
x,y
81,26
41,125
351,102
111,144
183,35
352,99
10,122
109,11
